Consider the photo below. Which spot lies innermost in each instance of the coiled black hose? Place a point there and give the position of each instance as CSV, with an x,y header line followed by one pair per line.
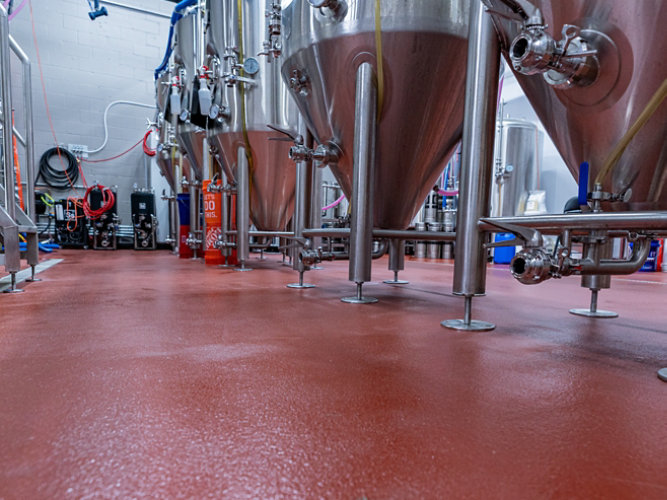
x,y
56,177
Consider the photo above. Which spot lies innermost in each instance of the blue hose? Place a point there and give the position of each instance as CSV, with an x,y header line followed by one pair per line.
x,y
175,17
583,183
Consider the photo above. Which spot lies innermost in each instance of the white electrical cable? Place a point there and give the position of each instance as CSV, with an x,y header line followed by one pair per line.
x,y
106,125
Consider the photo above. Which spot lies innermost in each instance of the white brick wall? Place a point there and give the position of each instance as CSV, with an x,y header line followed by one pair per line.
x,y
87,64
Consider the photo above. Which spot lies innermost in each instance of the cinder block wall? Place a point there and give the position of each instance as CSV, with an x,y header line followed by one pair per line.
x,y
87,65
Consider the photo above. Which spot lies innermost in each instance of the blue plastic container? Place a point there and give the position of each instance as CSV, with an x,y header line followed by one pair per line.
x,y
503,255
184,208
651,264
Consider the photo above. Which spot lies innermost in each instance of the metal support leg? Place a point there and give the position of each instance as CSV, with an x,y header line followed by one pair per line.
x,y
242,209
224,216
33,254
396,261
593,311
195,224
361,237
477,164
301,207
595,282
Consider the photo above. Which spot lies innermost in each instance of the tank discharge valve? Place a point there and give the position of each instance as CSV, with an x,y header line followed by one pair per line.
x,y
324,154
532,266
336,9
565,63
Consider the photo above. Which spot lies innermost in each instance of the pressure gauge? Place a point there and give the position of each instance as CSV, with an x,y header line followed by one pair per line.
x,y
214,111
251,66
184,115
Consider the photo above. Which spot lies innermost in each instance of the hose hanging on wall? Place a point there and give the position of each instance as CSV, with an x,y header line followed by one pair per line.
x,y
58,178
108,200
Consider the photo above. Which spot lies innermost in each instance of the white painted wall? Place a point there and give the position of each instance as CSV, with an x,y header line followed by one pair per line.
x,y
87,64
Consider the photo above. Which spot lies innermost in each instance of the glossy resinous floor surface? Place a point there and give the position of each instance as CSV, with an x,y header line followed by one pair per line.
x,y
139,375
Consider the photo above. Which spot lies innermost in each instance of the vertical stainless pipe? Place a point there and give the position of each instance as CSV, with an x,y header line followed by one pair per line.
x,y
194,208
7,156
29,125
224,215
173,221
361,238
242,206
396,255
316,202
301,194
477,153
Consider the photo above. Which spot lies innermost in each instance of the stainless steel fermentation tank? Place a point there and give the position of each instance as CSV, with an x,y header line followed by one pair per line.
x,y
420,91
188,58
249,98
589,68
517,166
588,102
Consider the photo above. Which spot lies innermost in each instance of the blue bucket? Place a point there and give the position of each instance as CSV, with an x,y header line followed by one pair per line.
x,y
184,208
503,255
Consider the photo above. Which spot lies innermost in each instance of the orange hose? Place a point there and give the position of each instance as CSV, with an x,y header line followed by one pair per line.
x,y
17,167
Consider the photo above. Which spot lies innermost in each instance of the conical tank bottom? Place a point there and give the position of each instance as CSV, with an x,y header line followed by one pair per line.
x,y
225,145
586,123
166,166
191,140
422,111
273,175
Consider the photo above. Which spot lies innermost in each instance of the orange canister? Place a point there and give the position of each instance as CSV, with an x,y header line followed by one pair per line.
x,y
213,220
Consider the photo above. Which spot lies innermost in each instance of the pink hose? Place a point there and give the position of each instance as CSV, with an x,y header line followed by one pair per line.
x,y
16,11
443,192
334,204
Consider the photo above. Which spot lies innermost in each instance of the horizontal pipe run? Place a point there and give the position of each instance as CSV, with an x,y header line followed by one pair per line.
x,y
414,235
334,232
647,221
264,234
639,255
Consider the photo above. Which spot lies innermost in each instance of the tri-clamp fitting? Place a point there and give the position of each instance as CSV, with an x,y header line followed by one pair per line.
x,y
186,183
564,63
336,9
272,46
193,242
325,154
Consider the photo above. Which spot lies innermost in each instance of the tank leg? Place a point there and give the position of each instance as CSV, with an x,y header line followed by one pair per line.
x,y
593,311
33,255
477,164
301,208
596,282
361,237
396,261
242,209
12,288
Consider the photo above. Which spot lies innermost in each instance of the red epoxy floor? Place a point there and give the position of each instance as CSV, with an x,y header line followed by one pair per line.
x,y
139,375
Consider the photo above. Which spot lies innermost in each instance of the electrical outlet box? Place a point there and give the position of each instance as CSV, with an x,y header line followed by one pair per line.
x,y
80,150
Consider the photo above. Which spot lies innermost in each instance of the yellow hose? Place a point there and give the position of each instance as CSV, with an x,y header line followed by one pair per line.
x,y
378,56
645,116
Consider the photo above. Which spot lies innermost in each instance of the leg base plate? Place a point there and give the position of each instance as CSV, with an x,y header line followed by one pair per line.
x,y
297,285
597,314
474,326
357,300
